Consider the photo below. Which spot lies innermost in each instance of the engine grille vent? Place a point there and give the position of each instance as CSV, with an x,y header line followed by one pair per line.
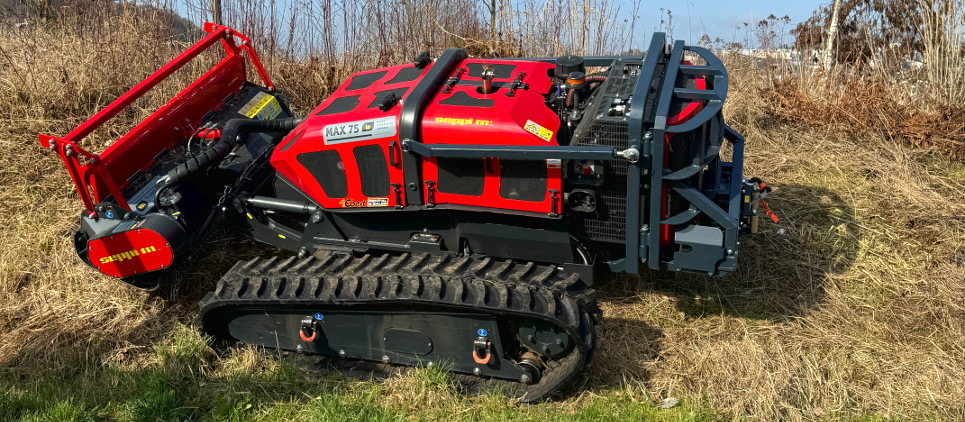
x,y
522,180
462,176
328,170
373,169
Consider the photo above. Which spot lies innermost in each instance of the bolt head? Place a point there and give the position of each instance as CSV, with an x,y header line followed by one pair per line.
x,y
341,353
430,364
476,371
385,359
299,348
525,379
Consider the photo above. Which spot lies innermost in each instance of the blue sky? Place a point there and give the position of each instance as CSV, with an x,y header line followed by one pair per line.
x,y
719,18
691,18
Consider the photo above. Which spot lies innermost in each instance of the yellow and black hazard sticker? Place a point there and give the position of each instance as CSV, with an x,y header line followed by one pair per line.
x,y
262,107
542,132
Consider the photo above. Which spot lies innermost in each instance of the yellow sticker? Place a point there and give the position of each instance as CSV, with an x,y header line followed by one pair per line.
x,y
542,132
262,106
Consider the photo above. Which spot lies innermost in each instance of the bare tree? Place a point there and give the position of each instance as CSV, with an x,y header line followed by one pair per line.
x,y
216,15
832,31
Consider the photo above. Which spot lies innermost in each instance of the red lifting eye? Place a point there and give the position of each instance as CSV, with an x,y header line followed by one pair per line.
x,y
480,351
301,333
309,330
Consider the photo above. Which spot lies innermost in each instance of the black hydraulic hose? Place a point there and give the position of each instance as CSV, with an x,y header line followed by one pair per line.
x,y
220,149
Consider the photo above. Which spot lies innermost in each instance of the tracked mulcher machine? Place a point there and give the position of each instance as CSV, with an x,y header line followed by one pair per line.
x,y
445,210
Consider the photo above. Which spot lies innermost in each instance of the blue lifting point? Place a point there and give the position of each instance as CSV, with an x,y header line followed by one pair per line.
x,y
319,316
482,332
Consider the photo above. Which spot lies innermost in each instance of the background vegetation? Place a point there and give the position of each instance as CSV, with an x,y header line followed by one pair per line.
x,y
852,307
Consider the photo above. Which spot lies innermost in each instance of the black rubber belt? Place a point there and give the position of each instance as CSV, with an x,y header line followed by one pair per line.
x,y
501,288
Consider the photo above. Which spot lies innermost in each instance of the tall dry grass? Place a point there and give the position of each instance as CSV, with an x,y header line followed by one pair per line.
x,y
853,305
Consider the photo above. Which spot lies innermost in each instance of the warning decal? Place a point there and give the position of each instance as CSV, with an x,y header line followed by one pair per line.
x,y
262,107
360,130
534,128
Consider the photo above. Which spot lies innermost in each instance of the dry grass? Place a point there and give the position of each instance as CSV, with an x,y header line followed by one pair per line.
x,y
856,308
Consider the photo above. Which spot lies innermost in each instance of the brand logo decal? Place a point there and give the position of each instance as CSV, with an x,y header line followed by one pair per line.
x,y
128,255
455,121
367,202
360,130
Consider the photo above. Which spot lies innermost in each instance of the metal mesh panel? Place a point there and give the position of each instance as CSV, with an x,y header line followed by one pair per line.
x,y
601,129
461,176
610,223
373,170
327,168
524,180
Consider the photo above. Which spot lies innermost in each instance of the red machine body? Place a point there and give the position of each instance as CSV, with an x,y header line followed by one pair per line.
x,y
131,252
342,138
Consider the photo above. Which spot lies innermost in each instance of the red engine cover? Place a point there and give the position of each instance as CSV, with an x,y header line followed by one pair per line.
x,y
347,153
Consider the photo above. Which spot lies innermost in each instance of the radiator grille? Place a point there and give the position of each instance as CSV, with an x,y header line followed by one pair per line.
x,y
609,223
601,129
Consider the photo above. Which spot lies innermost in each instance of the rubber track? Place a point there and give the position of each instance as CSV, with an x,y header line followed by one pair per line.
x,y
502,288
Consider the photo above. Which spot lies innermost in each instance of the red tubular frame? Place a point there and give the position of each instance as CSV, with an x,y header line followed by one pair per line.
x,y
95,179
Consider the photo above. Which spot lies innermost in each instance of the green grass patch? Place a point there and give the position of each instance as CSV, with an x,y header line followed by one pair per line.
x,y
181,379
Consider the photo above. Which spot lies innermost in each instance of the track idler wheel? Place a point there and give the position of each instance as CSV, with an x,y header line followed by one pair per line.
x,y
532,365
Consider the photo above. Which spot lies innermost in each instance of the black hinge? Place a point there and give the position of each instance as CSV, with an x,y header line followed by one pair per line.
x,y
516,84
390,101
452,81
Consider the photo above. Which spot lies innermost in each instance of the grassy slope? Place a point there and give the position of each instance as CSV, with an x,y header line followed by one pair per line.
x,y
855,311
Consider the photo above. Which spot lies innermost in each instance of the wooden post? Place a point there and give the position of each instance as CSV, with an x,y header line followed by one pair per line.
x,y
216,12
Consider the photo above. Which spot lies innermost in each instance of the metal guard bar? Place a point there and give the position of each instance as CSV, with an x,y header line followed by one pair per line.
x,y
67,148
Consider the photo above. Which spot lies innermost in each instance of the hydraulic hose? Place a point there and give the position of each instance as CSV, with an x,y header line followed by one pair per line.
x,y
220,149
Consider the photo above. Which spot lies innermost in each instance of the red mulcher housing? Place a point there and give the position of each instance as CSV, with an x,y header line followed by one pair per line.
x,y
448,210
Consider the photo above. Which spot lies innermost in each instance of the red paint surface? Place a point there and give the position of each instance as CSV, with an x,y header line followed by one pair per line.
x,y
503,123
129,253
